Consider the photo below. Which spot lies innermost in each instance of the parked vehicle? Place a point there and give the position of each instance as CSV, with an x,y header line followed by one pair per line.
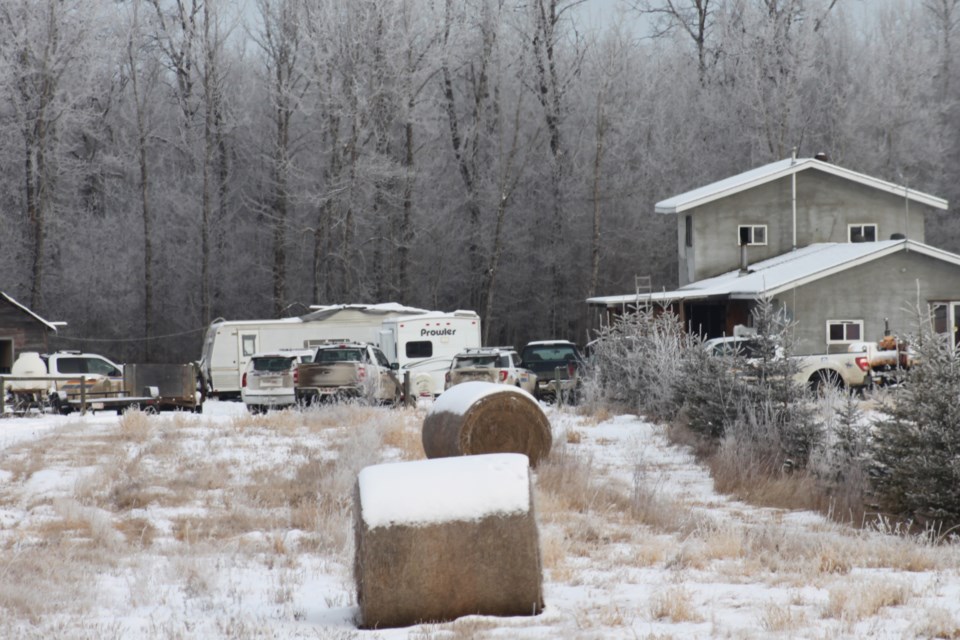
x,y
499,365
420,341
269,379
424,345
889,358
69,380
819,371
348,370
61,372
556,364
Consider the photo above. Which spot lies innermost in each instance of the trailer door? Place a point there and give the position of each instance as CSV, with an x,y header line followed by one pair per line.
x,y
248,342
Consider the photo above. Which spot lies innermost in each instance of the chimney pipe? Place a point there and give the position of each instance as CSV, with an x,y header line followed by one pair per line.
x,y
744,263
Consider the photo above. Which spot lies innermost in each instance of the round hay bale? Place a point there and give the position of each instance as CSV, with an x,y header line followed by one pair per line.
x,y
440,539
481,417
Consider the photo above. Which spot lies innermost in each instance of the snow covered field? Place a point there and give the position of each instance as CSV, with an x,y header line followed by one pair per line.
x,y
225,525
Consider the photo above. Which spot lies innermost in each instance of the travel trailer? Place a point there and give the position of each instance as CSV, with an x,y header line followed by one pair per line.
x,y
228,345
424,345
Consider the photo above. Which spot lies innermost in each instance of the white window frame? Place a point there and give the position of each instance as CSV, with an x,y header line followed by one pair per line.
x,y
753,230
862,226
845,323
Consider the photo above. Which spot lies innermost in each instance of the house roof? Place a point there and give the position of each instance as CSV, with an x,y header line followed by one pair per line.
x,y
782,169
50,325
784,272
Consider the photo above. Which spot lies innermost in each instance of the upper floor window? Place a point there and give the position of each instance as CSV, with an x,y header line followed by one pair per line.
x,y
752,234
688,230
842,331
862,232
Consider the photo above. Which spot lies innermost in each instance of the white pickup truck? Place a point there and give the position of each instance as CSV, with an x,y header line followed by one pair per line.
x,y
349,370
838,370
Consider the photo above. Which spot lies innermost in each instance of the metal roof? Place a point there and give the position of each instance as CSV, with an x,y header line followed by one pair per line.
x,y
783,272
50,325
781,169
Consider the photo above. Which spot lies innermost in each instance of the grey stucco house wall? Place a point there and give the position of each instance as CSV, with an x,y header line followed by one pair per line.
x,y
833,204
898,290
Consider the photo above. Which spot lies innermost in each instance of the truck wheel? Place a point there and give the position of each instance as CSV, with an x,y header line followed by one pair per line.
x,y
823,380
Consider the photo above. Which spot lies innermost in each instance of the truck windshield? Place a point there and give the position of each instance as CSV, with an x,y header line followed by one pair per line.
x,y
339,355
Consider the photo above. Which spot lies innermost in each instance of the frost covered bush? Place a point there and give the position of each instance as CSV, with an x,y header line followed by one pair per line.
x,y
710,391
915,473
636,362
838,462
755,402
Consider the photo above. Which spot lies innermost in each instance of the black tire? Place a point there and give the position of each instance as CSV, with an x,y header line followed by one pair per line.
x,y
825,379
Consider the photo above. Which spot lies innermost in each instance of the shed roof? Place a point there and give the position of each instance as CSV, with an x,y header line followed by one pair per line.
x,y
50,325
783,272
781,169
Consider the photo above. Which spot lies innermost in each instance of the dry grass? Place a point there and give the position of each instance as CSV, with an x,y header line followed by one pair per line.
x,y
675,604
937,623
272,491
781,618
853,601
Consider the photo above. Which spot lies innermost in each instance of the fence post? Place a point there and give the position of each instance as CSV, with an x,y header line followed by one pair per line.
x,y
407,399
83,395
3,396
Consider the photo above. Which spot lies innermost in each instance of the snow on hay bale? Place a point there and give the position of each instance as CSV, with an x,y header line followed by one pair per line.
x,y
482,417
440,539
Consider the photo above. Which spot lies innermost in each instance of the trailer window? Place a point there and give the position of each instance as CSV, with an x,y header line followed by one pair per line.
x,y
420,349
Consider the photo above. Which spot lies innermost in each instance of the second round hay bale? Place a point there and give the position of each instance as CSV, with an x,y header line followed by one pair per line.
x,y
440,539
481,417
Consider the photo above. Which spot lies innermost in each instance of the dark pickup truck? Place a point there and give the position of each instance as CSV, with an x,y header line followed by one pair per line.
x,y
557,364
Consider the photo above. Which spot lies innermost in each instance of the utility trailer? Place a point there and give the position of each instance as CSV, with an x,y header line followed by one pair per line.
x,y
147,387
175,385
50,393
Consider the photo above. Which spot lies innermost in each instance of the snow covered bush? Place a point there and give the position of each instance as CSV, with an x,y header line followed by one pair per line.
x,y
636,362
754,401
710,392
838,462
915,449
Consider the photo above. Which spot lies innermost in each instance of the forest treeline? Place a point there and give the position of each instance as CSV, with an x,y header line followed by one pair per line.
x,y
167,162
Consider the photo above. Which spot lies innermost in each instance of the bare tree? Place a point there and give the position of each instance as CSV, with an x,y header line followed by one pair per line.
x,y
40,41
280,40
693,17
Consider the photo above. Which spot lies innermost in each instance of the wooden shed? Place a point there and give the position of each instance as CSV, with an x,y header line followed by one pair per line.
x,y
20,330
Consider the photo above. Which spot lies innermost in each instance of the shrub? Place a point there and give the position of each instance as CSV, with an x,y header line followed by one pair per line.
x,y
915,469
636,362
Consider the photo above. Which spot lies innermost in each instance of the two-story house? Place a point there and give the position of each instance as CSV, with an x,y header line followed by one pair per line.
x,y
843,252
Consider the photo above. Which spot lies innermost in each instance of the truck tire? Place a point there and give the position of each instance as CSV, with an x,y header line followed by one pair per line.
x,y
825,379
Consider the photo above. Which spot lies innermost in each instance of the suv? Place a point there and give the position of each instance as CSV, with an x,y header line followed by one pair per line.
x,y
557,364
268,380
490,364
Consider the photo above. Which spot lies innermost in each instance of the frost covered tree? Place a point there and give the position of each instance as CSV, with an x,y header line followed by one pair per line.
x,y
915,449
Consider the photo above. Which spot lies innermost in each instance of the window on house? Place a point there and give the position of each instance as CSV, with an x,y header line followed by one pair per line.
x,y
688,230
841,331
862,232
752,234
